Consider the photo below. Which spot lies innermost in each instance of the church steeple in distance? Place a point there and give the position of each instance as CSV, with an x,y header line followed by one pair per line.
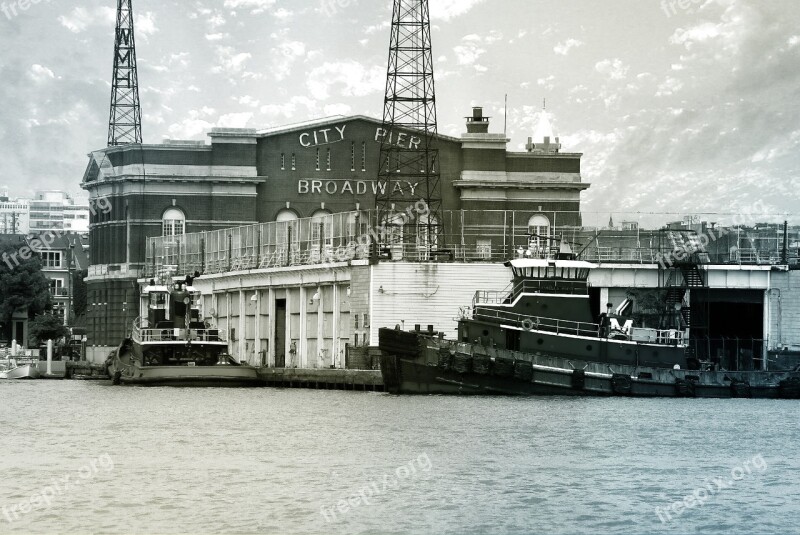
x,y
125,118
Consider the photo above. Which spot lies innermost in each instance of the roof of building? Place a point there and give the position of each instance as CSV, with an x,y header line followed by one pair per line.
x,y
330,120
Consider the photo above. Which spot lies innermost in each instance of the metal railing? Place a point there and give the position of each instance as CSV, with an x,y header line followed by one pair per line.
x,y
670,337
471,236
146,335
537,323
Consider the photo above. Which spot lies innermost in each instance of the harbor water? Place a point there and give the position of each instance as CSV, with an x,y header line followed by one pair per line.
x,y
87,457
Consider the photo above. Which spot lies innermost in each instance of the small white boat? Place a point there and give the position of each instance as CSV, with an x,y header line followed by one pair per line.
x,y
19,368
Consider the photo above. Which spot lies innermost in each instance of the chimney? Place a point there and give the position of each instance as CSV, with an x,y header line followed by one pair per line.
x,y
477,123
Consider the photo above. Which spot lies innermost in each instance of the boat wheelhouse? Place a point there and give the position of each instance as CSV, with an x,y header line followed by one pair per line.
x,y
547,309
174,345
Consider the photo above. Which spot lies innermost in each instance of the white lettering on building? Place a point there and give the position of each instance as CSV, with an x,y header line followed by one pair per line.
x,y
353,187
401,140
323,136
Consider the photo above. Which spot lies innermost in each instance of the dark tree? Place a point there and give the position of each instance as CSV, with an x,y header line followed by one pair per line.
x,y
47,327
23,286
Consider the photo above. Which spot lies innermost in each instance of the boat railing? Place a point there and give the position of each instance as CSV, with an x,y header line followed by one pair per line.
x,y
142,335
671,337
538,323
543,286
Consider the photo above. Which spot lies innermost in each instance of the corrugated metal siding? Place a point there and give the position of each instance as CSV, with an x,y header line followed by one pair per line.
x,y
429,294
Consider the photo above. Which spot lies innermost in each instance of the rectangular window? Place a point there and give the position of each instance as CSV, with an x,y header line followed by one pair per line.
x,y
353,157
174,227
317,159
294,162
283,162
329,159
51,259
355,321
366,321
57,288
364,157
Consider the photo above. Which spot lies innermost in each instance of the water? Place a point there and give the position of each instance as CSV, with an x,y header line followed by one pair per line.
x,y
169,460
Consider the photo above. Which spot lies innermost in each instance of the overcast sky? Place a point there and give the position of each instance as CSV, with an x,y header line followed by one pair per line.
x,y
677,109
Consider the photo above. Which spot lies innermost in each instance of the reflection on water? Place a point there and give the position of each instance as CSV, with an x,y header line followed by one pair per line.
x,y
89,457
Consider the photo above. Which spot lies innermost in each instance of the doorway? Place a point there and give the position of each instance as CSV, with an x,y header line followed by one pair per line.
x,y
280,333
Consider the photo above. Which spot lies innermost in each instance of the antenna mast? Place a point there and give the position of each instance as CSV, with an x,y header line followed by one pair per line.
x,y
125,121
408,148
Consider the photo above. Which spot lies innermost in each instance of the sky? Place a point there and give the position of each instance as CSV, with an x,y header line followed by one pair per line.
x,y
679,106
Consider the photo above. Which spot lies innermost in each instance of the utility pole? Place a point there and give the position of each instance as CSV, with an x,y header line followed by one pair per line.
x,y
408,151
125,119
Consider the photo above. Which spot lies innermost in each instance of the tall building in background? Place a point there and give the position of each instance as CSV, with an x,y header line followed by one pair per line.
x,y
56,211
14,216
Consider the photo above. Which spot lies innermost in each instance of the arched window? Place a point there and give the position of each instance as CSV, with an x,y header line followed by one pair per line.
x,y
286,219
173,222
286,215
321,220
539,231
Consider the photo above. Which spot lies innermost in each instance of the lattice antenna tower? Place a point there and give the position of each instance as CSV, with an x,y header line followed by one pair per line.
x,y
408,148
125,122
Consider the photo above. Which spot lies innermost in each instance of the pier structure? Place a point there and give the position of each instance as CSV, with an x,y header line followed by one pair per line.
x,y
310,303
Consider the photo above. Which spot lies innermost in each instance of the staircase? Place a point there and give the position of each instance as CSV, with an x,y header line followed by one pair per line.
x,y
692,276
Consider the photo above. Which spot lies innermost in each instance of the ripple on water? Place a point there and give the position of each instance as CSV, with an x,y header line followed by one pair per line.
x,y
269,461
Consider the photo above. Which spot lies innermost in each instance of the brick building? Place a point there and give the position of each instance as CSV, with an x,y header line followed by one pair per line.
x,y
307,170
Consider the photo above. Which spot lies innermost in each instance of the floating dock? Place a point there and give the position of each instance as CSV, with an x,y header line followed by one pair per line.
x,y
333,379
318,379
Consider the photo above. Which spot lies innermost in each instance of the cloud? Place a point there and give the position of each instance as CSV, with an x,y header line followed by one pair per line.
x,y
286,54
614,69
230,60
337,109
38,73
564,48
297,108
351,77
473,46
450,9
235,120
80,19
255,6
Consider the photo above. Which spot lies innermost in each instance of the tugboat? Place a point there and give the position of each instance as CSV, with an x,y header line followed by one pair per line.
x,y
541,338
172,346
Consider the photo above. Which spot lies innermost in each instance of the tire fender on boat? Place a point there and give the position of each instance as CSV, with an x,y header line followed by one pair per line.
x,y
621,384
578,380
528,324
685,388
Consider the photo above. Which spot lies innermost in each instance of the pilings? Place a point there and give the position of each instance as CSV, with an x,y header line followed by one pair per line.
x,y
86,370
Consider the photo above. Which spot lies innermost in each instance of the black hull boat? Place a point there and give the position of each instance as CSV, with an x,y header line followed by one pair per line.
x,y
508,346
171,346
443,367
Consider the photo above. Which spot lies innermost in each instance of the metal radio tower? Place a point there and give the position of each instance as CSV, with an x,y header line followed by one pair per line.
x,y
408,148
125,123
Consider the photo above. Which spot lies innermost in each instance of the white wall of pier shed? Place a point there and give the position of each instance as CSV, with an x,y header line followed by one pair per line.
x,y
357,299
